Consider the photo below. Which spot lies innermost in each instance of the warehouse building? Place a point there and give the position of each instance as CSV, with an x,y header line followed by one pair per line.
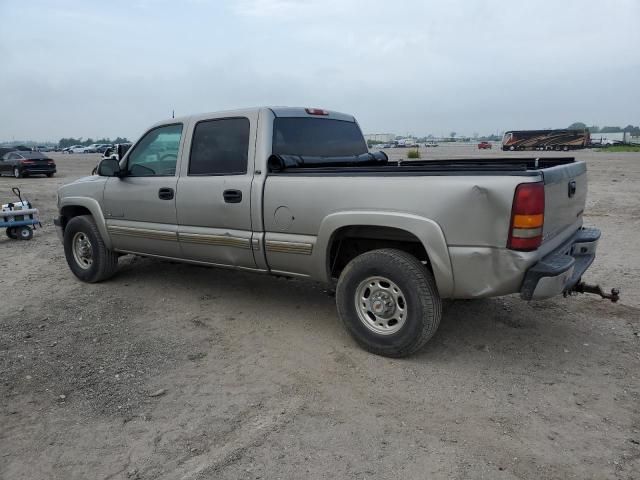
x,y
380,137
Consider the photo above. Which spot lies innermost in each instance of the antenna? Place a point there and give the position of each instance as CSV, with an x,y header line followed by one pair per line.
x,y
173,114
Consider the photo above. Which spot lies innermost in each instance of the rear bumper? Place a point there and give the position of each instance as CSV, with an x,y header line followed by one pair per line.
x,y
562,269
38,170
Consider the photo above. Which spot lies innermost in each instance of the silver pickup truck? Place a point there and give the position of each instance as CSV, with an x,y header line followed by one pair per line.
x,y
295,192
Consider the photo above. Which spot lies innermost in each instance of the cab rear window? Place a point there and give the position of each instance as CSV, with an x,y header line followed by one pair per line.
x,y
317,137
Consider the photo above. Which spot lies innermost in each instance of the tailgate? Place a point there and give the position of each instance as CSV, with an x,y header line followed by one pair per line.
x,y
565,193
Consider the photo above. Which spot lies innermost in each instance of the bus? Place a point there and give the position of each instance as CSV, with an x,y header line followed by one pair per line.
x,y
545,139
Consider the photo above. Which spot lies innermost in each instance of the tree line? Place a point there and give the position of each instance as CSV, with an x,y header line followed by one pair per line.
x,y
634,130
67,142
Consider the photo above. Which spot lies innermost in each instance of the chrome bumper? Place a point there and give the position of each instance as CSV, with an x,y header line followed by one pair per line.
x,y
562,269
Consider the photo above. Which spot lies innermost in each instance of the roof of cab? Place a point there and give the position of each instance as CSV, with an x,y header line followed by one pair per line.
x,y
277,111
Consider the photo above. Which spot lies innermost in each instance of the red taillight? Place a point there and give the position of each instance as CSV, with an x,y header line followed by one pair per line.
x,y
527,217
316,111
26,162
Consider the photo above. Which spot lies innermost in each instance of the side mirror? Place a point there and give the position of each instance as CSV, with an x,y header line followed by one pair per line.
x,y
109,167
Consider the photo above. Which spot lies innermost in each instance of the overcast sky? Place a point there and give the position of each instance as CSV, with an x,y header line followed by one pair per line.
x,y
97,68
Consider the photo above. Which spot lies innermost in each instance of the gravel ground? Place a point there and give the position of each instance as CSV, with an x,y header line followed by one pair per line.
x,y
171,371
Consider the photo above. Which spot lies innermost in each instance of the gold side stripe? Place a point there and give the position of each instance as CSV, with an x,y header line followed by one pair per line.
x,y
143,233
275,246
220,240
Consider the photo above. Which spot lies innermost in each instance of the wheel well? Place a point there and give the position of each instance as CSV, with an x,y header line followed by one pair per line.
x,y
68,212
349,242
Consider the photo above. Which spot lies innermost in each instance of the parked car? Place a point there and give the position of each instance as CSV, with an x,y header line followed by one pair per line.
x,y
103,147
76,149
288,191
430,144
116,151
21,164
484,146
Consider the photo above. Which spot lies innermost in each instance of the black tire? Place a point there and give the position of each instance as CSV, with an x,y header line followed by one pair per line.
x,y
420,295
17,173
50,175
104,262
25,233
12,233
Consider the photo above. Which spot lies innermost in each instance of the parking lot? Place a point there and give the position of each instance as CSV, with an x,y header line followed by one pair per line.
x,y
171,371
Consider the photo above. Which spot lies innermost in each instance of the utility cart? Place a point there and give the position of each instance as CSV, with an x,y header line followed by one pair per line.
x,y
19,218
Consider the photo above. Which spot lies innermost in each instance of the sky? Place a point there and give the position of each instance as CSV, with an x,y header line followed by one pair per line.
x,y
72,68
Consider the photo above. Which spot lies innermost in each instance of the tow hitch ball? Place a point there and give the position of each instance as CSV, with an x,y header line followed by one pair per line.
x,y
582,287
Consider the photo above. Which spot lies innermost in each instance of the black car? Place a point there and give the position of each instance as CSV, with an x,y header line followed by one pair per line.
x,y
103,148
20,164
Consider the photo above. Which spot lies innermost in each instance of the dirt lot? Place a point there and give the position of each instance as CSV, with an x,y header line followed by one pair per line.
x,y
180,372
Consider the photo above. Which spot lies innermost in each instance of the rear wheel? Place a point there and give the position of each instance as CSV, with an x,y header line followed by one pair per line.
x,y
12,232
17,173
388,302
50,175
87,256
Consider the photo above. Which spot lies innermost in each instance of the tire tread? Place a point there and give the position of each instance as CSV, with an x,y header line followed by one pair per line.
x,y
426,289
107,260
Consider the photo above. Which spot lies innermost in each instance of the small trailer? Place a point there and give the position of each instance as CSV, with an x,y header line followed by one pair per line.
x,y
19,218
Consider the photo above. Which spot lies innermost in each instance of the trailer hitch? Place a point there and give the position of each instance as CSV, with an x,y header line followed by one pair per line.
x,y
582,287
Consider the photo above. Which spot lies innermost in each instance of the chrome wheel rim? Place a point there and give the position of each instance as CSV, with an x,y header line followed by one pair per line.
x,y
16,173
381,305
82,250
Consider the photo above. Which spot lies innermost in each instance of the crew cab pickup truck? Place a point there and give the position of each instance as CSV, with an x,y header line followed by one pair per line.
x,y
294,192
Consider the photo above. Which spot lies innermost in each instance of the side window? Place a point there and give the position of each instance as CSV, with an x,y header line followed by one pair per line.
x,y
156,154
220,147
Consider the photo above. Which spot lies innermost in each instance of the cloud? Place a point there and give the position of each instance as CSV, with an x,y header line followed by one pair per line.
x,y
87,69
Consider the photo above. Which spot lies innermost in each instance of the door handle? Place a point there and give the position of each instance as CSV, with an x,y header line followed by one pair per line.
x,y
165,194
232,196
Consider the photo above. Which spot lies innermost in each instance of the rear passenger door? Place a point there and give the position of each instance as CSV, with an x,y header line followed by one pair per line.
x,y
214,192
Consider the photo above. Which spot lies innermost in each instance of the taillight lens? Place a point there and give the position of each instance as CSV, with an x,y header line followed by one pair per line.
x,y
527,217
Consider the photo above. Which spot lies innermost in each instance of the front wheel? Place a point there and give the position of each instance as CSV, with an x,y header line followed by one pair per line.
x,y
388,302
25,233
87,256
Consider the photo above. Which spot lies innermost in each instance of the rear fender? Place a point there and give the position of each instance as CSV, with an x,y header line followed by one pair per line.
x,y
426,230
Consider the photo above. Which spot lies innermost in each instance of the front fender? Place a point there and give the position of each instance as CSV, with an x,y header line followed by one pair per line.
x,y
93,206
426,230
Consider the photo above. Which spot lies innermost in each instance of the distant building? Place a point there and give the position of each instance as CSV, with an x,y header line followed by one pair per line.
x,y
380,137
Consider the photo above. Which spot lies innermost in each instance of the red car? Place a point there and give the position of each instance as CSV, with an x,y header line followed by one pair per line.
x,y
484,145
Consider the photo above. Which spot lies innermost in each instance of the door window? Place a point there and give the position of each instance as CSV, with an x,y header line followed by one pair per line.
x,y
156,154
220,147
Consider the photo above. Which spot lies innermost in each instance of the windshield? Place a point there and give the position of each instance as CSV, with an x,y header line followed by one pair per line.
x,y
317,137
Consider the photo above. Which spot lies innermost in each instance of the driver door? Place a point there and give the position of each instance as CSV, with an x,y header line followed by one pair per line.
x,y
140,207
